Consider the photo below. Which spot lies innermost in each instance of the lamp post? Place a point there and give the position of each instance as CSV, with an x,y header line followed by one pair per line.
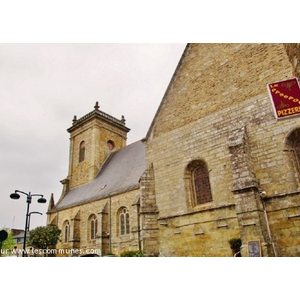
x,y
29,216
16,196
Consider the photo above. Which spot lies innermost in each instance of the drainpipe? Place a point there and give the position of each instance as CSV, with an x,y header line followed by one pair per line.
x,y
139,227
109,245
268,227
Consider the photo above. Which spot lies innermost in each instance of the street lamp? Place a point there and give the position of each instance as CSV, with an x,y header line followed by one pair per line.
x,y
16,196
29,216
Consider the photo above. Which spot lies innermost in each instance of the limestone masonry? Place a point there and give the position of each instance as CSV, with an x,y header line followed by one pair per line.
x,y
215,164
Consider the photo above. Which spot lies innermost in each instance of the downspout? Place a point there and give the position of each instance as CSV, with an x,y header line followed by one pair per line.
x,y
109,240
138,210
139,226
268,227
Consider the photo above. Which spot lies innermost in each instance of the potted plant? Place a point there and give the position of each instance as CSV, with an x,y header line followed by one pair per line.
x,y
235,245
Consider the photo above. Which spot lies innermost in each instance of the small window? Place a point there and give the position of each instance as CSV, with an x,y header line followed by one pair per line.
x,y
66,231
82,151
124,221
197,183
110,145
93,224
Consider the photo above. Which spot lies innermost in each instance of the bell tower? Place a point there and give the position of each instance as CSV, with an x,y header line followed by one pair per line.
x,y
92,139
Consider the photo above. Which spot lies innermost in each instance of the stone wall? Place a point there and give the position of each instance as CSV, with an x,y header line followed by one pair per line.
x,y
213,76
96,129
217,110
108,238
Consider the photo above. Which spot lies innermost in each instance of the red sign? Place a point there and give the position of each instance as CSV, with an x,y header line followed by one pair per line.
x,y
285,96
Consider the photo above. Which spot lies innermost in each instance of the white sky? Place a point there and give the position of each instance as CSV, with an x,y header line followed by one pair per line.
x,y
74,53
42,86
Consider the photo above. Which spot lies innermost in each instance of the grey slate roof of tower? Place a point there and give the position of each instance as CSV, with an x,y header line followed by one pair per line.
x,y
121,172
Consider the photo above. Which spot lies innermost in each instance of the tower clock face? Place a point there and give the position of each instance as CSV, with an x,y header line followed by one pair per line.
x,y
110,145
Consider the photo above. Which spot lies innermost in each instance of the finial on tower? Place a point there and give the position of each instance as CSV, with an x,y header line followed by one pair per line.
x,y
96,106
123,120
74,120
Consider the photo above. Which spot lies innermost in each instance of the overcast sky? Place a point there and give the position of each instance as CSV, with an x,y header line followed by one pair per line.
x,y
42,87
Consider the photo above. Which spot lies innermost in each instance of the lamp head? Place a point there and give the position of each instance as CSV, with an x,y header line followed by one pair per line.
x,y
42,200
14,196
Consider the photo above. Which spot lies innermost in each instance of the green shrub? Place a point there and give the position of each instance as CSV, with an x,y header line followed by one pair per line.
x,y
235,244
109,254
137,253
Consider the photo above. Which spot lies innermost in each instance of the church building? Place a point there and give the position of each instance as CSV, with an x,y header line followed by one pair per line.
x,y
98,209
219,163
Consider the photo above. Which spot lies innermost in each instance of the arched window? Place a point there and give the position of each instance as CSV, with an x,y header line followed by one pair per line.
x,y
110,145
201,185
197,183
66,231
93,225
82,151
292,150
297,151
124,221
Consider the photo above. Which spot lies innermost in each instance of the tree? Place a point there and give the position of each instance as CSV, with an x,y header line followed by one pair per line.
x,y
235,245
43,237
8,243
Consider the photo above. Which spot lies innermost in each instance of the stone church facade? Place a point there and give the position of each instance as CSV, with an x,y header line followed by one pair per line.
x,y
215,164
98,209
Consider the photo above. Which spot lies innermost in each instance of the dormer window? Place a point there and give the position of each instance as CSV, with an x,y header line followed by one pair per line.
x,y
82,151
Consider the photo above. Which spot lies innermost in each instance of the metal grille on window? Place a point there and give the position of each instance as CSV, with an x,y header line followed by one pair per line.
x,y
202,185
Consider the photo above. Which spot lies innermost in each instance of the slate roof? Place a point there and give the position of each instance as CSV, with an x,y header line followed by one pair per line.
x,y
18,233
121,172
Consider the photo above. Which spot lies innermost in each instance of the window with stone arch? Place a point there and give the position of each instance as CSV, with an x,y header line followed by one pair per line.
x,y
297,151
82,151
292,149
123,220
93,226
197,183
66,231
